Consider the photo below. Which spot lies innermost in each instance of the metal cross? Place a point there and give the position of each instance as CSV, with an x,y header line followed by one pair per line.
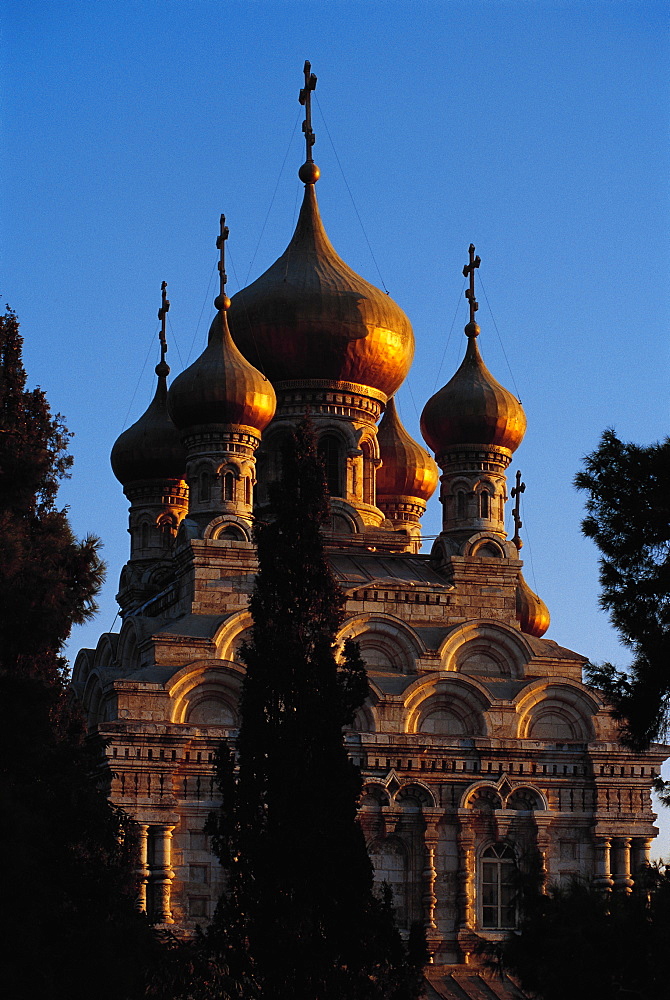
x,y
305,98
221,247
469,270
518,523
162,313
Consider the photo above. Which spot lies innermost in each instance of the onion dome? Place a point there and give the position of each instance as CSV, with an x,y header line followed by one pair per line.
x,y
221,387
407,469
310,317
151,448
531,611
472,408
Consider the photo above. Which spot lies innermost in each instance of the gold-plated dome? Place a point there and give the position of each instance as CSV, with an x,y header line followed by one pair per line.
x,y
221,387
407,469
311,317
151,448
531,611
472,408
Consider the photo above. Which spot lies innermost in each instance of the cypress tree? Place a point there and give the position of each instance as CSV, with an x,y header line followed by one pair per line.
x,y
68,881
300,918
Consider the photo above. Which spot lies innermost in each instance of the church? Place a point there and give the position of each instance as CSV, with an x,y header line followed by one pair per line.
x,y
479,744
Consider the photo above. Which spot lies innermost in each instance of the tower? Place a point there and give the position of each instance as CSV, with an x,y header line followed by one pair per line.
x,y
480,747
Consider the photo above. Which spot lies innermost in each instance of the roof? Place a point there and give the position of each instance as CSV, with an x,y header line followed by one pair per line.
x,y
360,570
463,982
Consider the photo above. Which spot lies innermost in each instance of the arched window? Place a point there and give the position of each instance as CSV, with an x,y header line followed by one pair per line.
x,y
167,528
330,454
484,504
228,486
204,486
144,535
498,888
460,505
232,534
247,489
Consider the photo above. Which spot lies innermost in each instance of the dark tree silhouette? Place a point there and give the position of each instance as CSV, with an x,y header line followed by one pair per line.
x,y
67,878
300,918
581,942
628,517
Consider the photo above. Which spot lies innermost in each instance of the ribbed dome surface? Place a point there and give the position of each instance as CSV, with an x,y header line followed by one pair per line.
x,y
407,469
473,409
221,387
531,611
151,448
310,317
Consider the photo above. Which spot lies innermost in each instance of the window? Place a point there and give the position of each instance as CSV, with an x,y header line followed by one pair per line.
x,y
203,487
228,486
460,505
247,490
329,453
484,504
498,888
198,906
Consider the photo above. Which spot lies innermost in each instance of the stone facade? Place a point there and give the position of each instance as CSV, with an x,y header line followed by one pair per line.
x,y
482,751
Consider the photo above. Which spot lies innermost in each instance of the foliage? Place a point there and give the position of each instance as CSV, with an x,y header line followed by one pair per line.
x,y
68,886
581,942
300,918
49,579
628,517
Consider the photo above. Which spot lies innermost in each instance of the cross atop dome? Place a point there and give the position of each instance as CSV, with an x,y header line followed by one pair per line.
x,y
469,271
309,173
222,301
162,367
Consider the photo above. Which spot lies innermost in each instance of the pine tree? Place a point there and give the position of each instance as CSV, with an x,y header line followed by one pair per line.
x,y
67,854
300,918
628,517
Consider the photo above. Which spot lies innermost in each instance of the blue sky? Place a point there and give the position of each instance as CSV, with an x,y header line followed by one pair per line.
x,y
537,130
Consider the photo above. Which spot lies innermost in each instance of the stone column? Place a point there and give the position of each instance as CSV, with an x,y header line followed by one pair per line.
x,y
641,852
162,873
603,877
142,867
429,878
466,841
621,866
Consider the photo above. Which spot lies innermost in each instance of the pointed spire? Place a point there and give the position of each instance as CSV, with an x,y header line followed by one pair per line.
x,y
309,173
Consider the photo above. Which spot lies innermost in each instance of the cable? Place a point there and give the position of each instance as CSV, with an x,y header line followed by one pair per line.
x,y
325,123
451,330
130,405
175,341
516,388
274,193
206,299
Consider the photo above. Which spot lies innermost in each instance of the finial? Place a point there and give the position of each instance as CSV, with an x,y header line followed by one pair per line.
x,y
518,523
309,173
162,368
222,301
472,329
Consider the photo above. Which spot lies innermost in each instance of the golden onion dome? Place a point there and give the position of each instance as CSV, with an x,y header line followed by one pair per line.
x,y
407,469
310,317
472,408
151,448
221,387
531,611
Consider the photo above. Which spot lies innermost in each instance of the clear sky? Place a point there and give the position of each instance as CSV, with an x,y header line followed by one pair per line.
x,y
536,130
